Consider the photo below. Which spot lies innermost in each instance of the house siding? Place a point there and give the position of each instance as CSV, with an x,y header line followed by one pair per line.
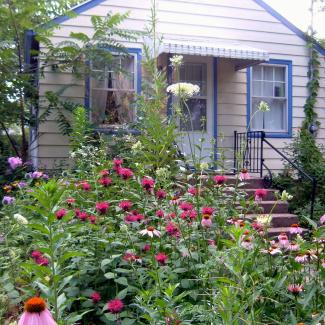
x,y
212,20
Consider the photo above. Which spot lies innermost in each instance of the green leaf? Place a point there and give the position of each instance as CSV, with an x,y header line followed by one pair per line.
x,y
69,255
122,280
122,294
110,275
128,321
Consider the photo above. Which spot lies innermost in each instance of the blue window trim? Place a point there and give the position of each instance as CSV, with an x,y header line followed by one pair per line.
x,y
215,106
288,63
138,53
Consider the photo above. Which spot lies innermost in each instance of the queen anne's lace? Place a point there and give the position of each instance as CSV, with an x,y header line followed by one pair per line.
x,y
183,90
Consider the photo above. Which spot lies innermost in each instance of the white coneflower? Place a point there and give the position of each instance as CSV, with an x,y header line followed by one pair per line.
x,y
150,231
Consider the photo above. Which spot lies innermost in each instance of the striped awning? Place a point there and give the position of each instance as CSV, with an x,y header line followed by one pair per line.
x,y
217,49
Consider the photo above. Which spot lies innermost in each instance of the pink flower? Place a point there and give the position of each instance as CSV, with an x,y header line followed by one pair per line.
x,y
150,231
147,183
92,219
115,306
206,221
125,205
207,210
185,206
295,229
172,230
171,215
83,216
42,261
193,191
102,207
293,247
160,213
211,242
15,162
130,257
36,313
117,161
295,288
188,215
260,194
283,240
247,243
146,248
36,254
60,213
323,263
161,194
104,172
70,201
125,173
322,219
244,175
161,258
219,179
301,258
95,297
105,181
85,186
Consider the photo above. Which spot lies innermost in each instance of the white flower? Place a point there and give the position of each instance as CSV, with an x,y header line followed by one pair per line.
x,y
183,90
204,166
137,146
285,196
176,60
20,219
263,107
264,219
150,231
123,228
162,173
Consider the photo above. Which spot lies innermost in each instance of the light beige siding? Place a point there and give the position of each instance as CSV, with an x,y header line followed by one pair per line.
x,y
211,20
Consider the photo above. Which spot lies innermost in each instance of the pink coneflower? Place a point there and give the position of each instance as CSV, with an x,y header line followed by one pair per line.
x,y
186,206
125,205
238,223
257,226
60,213
211,242
206,221
172,230
85,186
161,194
244,175
295,288
130,257
15,162
95,297
219,179
160,213
301,258
283,240
125,173
105,181
70,201
92,219
322,219
295,229
115,306
102,207
146,248
273,250
260,194
83,216
36,313
192,214
207,210
161,258
147,183
247,243
293,246
150,231
104,172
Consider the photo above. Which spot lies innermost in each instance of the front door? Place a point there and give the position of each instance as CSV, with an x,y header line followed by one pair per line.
x,y
197,124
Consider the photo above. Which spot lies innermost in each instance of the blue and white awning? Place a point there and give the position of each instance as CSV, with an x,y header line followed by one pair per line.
x,y
216,49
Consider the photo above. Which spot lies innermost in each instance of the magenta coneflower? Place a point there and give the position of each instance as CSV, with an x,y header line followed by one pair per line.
x,y
125,173
260,194
125,205
147,183
296,229
105,181
161,258
161,194
219,179
293,246
36,313
102,207
244,175
95,297
206,221
115,306
150,231
295,288
60,213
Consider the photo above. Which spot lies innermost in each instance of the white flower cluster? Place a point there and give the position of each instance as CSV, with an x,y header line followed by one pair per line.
x,y
183,90
137,146
263,106
176,60
285,196
162,173
20,219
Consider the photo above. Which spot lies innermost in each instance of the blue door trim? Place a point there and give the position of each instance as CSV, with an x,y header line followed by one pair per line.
x,y
215,106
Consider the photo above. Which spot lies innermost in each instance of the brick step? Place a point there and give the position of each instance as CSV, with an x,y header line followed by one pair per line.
x,y
274,232
279,219
252,183
280,207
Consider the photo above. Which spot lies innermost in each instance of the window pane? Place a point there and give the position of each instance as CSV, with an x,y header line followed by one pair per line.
x,y
279,73
195,73
279,89
268,89
268,73
275,119
197,113
257,88
111,107
257,72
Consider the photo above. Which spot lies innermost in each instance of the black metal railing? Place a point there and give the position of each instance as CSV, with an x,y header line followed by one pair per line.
x,y
249,155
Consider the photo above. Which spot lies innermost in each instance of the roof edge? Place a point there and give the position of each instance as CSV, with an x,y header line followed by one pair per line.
x,y
288,24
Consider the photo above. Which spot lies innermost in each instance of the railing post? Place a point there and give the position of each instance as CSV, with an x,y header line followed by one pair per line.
x,y
313,196
262,152
235,151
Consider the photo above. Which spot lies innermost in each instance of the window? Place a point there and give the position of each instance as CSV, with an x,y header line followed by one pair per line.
x,y
270,83
112,91
195,73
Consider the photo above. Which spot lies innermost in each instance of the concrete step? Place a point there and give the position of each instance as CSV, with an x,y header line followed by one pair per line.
x,y
269,197
252,183
278,220
274,232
